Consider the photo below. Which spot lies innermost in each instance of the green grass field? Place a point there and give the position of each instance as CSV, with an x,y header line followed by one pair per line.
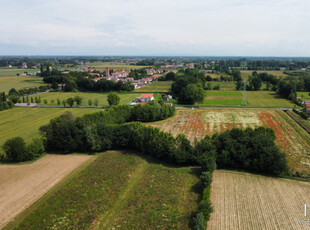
x,y
118,191
6,72
120,66
6,83
25,122
259,99
157,86
268,99
304,95
101,97
223,85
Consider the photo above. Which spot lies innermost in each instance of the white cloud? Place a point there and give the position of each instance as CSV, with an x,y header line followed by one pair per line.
x,y
200,27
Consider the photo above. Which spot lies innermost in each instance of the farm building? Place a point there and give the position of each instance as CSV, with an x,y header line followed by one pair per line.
x,y
146,97
61,86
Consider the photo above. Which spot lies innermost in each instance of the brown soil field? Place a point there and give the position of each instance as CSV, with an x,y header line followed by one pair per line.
x,y
196,124
248,201
22,185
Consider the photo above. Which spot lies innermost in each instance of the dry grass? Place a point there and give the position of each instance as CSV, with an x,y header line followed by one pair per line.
x,y
248,201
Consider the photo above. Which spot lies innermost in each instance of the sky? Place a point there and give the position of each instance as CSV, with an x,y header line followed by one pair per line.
x,y
155,27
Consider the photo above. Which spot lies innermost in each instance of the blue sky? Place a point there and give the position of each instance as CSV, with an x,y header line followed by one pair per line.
x,y
161,27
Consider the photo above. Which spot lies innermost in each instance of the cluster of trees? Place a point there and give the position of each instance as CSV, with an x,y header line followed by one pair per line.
x,y
4,103
188,86
75,80
138,73
16,149
14,95
168,77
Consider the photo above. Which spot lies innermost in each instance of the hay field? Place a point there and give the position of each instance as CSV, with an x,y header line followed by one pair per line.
x,y
119,191
290,137
101,97
6,83
26,183
25,122
249,201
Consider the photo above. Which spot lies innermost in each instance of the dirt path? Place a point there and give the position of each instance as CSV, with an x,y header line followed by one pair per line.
x,y
22,185
105,220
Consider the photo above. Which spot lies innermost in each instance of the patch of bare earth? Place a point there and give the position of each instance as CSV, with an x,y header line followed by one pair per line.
x,y
22,185
248,201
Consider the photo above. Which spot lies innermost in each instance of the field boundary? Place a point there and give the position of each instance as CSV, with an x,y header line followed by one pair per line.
x,y
298,122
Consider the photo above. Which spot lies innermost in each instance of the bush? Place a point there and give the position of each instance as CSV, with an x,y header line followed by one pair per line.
x,y
15,150
199,222
35,148
206,178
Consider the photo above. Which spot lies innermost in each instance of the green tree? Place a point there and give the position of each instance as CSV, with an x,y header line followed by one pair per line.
x,y
70,101
58,101
45,101
96,102
191,94
113,99
78,100
199,222
90,102
64,102
15,149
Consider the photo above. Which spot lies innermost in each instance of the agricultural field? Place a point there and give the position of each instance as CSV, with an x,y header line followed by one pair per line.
x,y
304,95
290,137
256,99
278,73
25,122
118,66
222,98
24,184
224,85
249,201
118,191
7,72
267,99
6,83
157,86
101,97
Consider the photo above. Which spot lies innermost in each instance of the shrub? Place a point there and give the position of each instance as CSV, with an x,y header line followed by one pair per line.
x,y
35,148
206,178
199,222
15,149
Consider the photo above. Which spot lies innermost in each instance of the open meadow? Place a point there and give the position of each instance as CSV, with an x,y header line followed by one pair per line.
x,y
118,191
290,137
157,86
52,97
249,201
23,184
267,99
304,95
25,122
19,82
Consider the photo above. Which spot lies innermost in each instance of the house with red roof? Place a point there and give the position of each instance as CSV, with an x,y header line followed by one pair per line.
x,y
146,97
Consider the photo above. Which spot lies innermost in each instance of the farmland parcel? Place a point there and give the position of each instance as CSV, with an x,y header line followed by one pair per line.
x,y
24,184
291,138
120,191
248,201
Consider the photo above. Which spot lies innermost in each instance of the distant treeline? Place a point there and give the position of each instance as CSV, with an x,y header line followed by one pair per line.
x,y
4,102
